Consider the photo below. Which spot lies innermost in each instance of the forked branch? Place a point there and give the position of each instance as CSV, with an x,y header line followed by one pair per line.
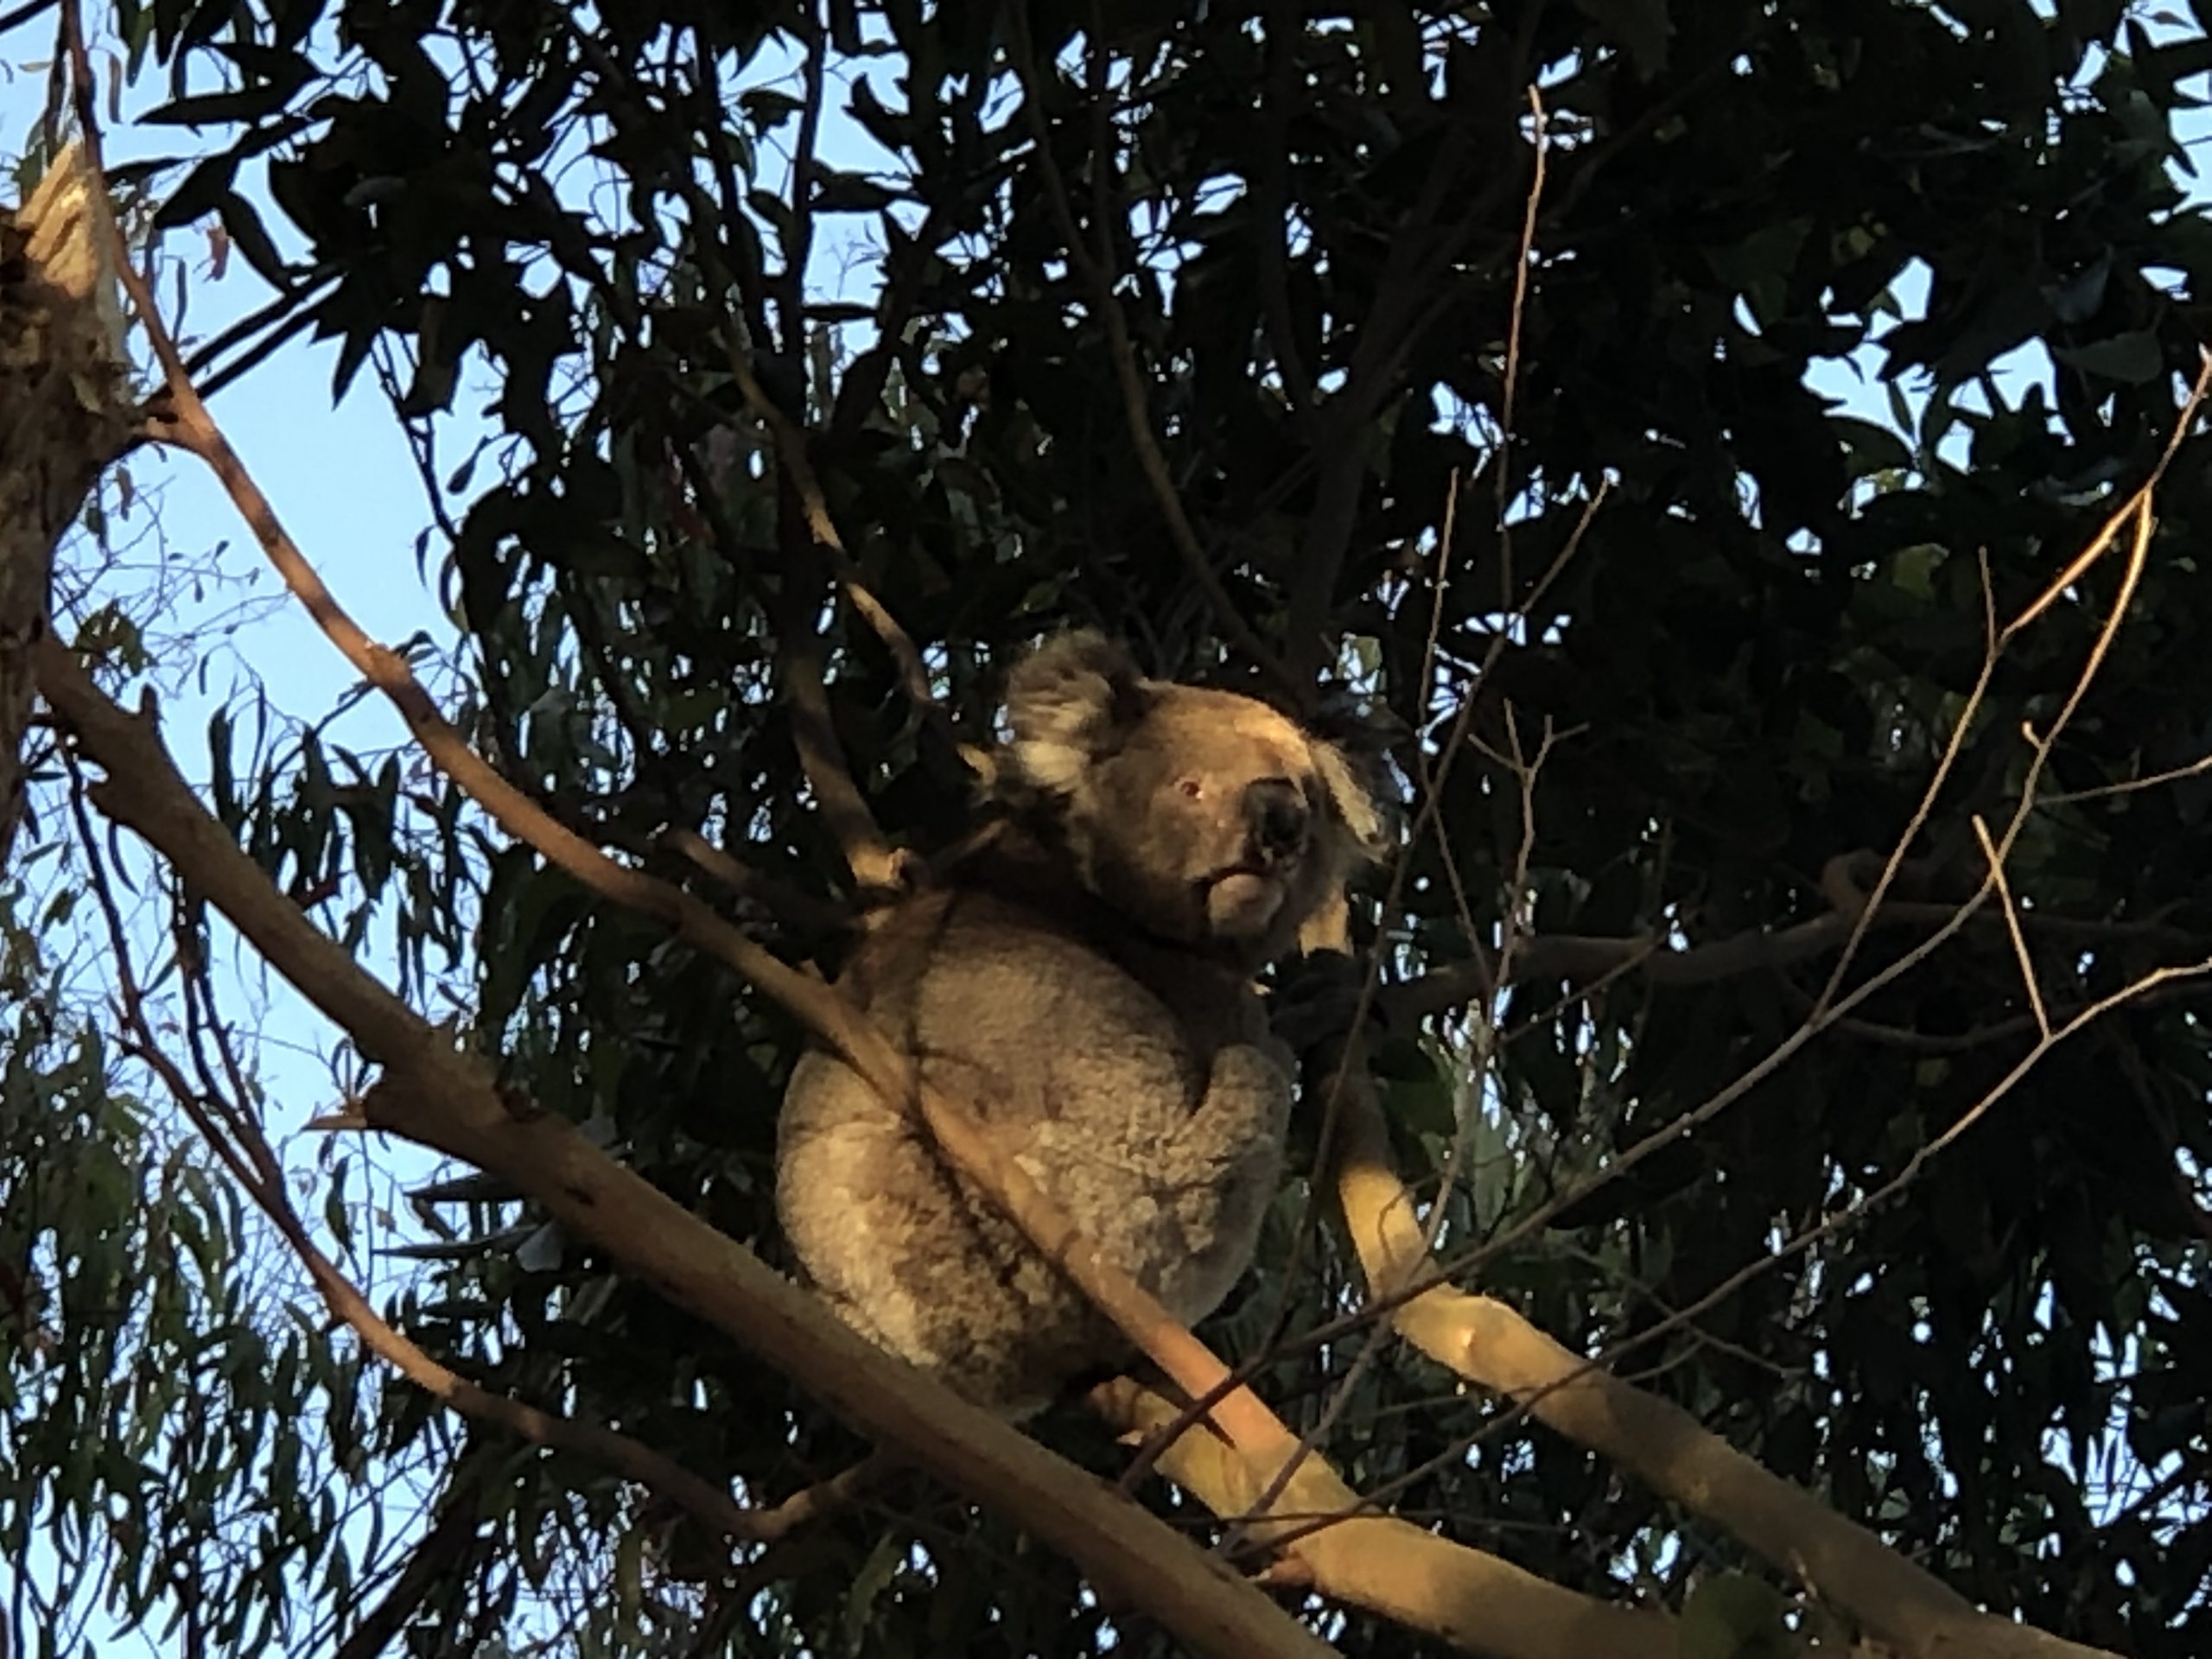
x,y
1472,1600
1492,1345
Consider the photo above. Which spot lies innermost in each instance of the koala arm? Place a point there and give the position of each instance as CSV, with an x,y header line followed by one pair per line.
x,y
1246,1105
1221,1171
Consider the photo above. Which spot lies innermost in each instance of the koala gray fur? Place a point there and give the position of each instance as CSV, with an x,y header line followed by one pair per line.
x,y
1083,984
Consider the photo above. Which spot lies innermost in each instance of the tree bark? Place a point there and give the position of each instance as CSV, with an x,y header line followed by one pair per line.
x,y
65,414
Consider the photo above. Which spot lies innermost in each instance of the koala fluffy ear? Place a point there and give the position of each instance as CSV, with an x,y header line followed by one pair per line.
x,y
1359,792
1070,701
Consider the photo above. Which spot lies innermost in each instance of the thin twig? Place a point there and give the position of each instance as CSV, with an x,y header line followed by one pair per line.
x,y
1524,260
2137,507
2012,922
2196,768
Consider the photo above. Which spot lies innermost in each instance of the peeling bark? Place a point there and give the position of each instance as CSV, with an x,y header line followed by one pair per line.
x,y
65,413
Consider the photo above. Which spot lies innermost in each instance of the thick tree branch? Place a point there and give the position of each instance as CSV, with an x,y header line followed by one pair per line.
x,y
1490,1344
448,1100
576,1183
232,1133
1475,1601
65,414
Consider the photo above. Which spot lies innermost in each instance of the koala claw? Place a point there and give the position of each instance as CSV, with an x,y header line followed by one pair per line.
x,y
1315,1010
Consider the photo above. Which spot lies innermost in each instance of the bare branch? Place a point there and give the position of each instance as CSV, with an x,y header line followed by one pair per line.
x,y
2136,509
2012,923
1474,1600
2196,768
1588,959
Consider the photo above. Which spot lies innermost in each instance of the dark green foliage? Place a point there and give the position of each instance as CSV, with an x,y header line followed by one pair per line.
x,y
1751,658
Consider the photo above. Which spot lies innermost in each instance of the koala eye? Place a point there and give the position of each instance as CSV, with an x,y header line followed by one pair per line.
x,y
1191,788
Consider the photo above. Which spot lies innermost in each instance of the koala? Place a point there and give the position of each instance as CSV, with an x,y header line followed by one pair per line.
x,y
1082,980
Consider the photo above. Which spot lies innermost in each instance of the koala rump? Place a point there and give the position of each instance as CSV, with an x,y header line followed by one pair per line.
x,y
1083,984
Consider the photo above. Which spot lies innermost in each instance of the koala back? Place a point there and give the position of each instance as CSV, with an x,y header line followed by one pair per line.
x,y
1092,1080
1081,982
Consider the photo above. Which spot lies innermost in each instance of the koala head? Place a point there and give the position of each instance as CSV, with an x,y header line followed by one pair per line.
x,y
1207,817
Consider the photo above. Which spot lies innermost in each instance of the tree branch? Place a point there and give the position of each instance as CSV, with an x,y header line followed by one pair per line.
x,y
65,413
232,1133
1490,1344
1471,1600
448,1100
1581,958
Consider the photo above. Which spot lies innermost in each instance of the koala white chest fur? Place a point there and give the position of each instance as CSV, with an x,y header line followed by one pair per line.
x,y
1083,985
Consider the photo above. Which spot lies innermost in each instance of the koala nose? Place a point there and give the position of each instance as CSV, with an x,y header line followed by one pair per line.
x,y
1277,815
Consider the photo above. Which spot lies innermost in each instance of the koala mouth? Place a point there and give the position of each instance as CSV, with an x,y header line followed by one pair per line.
x,y
1243,899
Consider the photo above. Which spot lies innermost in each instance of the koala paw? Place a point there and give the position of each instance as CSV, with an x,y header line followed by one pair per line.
x,y
1313,1009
